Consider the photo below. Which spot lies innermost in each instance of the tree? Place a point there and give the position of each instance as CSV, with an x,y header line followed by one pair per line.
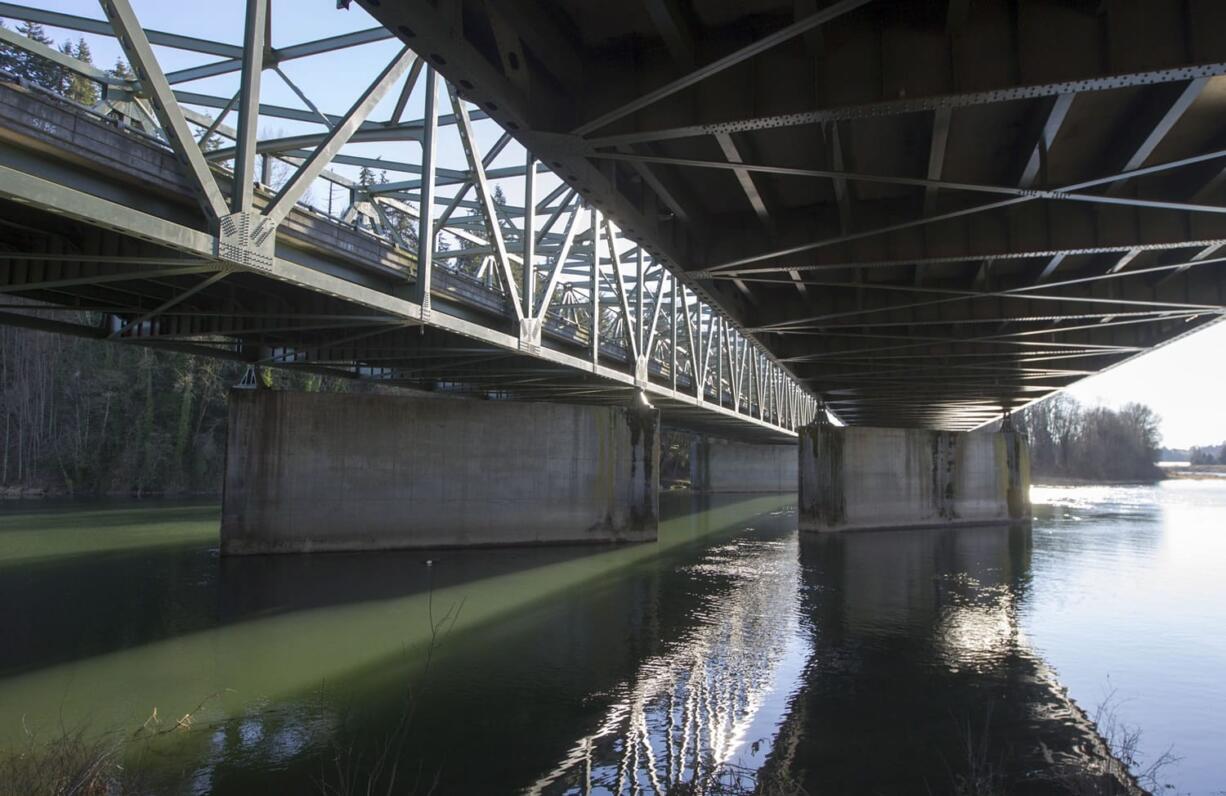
x,y
1097,443
76,87
34,68
8,55
121,70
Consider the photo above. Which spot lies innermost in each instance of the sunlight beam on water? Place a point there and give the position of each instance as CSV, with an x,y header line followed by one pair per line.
x,y
286,655
52,533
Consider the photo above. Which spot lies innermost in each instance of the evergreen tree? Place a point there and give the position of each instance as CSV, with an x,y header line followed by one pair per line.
x,y
34,68
121,70
79,88
8,56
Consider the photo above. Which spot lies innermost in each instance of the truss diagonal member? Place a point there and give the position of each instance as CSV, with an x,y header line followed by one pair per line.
x,y
629,329
689,334
703,72
165,305
559,262
469,141
86,25
102,279
140,54
323,117
649,346
906,105
403,100
706,347
728,268
62,59
340,135
495,150
929,184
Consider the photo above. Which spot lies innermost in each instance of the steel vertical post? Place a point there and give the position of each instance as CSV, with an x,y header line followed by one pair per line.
x,y
425,215
595,287
249,105
640,333
529,253
672,314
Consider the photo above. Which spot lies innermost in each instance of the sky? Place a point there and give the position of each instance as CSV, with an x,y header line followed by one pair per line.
x,y
1184,381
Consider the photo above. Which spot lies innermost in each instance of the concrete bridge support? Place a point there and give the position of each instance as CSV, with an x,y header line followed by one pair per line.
x,y
860,478
327,471
720,465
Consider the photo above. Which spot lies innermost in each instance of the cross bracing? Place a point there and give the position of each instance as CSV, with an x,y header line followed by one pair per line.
x,y
950,181
170,216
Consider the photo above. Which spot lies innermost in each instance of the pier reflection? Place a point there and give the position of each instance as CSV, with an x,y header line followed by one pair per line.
x,y
921,676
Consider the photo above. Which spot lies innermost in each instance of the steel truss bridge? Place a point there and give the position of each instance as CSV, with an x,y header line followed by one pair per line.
x,y
171,218
927,210
916,213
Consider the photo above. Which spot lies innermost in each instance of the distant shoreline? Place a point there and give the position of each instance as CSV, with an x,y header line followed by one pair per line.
x,y
1068,481
1204,472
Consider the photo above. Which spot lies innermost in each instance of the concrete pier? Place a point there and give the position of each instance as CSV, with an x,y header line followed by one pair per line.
x,y
720,465
327,471
861,478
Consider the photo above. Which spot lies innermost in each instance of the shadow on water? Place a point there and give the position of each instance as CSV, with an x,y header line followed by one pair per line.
x,y
504,701
294,645
85,583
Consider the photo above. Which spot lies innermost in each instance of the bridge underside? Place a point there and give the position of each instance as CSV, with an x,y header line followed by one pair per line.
x,y
927,211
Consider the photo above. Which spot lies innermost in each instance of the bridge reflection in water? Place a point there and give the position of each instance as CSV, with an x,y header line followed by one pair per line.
x,y
690,712
873,662
735,652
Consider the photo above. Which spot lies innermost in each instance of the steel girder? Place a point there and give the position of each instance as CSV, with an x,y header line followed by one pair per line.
x,y
794,164
259,276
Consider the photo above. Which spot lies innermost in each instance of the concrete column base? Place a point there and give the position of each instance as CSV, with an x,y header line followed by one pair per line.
x,y
329,471
860,478
720,465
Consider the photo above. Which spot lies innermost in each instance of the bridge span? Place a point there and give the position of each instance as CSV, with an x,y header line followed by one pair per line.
x,y
140,236
739,219
929,212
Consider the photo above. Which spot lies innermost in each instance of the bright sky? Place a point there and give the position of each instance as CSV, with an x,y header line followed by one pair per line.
x,y
1185,381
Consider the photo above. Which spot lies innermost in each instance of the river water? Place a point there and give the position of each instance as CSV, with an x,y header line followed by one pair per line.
x,y
734,651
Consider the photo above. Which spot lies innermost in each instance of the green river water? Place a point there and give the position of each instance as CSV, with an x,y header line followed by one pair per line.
x,y
734,650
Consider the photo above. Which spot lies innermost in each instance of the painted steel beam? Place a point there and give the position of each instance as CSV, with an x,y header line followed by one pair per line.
x,y
1178,74
340,135
702,73
140,55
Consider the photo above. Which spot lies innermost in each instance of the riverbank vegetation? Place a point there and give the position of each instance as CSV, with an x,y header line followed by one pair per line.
x,y
1207,454
87,418
1071,441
